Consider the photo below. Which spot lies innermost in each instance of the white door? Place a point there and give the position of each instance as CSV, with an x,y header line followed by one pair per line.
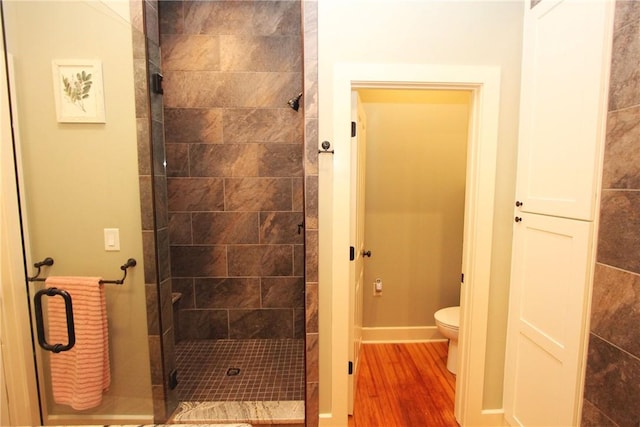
x,y
564,67
550,267
562,117
358,157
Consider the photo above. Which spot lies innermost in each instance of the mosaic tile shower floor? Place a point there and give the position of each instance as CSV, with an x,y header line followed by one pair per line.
x,y
240,370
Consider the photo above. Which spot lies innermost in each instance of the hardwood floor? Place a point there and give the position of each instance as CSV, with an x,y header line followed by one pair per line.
x,y
404,385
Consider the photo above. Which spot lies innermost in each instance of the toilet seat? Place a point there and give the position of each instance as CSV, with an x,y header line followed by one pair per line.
x,y
449,317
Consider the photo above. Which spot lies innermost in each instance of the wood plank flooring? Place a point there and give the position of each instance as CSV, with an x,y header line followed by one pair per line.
x,y
404,385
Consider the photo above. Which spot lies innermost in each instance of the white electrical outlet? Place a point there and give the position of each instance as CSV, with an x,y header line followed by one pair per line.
x,y
377,287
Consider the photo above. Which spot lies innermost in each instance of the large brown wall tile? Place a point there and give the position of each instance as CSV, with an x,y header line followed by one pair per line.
x,y
624,86
260,260
209,89
271,323
198,261
299,324
612,382
190,52
298,260
311,302
281,227
256,53
311,202
622,150
280,160
202,125
297,202
197,194
201,17
282,292
311,248
225,227
627,11
615,308
592,417
228,292
180,228
225,160
262,125
171,14
204,324
277,18
618,245
177,160
258,194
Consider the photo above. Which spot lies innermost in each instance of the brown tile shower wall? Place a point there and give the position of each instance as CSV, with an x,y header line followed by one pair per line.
x,y
310,55
235,170
612,386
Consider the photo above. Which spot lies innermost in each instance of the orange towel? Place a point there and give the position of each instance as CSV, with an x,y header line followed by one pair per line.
x,y
79,376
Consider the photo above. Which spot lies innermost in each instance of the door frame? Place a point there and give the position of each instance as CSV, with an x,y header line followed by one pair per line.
x,y
484,83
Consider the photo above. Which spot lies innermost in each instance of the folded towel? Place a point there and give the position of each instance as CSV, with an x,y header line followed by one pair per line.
x,y
79,376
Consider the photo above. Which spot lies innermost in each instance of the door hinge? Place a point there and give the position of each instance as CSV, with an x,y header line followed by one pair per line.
x,y
462,278
156,83
353,129
352,253
350,367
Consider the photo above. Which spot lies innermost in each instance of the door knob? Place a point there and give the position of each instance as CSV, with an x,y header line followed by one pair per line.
x,y
519,203
518,219
366,253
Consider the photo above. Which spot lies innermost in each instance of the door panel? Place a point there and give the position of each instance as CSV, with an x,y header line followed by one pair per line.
x,y
551,258
358,157
565,62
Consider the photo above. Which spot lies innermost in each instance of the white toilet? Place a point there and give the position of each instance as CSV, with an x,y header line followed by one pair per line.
x,y
448,323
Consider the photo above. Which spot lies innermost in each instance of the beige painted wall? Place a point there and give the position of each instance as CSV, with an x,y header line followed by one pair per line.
x,y
82,178
438,33
415,189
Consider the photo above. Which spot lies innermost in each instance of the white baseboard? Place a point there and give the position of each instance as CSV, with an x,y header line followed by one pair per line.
x,y
494,417
401,334
326,420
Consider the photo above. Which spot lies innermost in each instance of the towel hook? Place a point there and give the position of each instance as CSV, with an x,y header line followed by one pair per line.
x,y
47,261
325,147
130,263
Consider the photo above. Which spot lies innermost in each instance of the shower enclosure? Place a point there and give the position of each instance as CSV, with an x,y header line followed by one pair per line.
x,y
213,208
234,152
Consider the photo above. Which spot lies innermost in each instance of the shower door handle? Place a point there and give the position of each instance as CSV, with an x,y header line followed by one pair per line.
x,y
71,334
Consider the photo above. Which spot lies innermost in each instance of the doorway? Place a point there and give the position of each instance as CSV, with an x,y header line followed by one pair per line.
x,y
414,208
414,147
483,82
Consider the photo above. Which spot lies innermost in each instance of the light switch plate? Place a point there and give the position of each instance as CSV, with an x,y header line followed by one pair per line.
x,y
111,239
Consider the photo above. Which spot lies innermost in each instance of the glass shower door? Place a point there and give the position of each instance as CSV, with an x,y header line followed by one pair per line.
x,y
78,176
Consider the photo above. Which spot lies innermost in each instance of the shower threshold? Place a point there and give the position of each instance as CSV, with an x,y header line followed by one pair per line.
x,y
254,413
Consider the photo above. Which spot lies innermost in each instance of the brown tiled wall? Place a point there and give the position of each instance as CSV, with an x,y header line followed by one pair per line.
x,y
234,154
612,386
310,55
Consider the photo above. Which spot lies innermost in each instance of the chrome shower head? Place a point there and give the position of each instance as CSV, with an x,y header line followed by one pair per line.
x,y
295,102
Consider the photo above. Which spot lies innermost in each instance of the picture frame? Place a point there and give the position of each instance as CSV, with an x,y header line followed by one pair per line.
x,y
78,90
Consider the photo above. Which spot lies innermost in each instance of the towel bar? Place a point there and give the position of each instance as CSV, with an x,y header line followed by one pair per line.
x,y
49,262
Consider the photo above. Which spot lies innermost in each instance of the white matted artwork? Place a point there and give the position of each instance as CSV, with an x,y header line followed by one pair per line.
x,y
78,90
